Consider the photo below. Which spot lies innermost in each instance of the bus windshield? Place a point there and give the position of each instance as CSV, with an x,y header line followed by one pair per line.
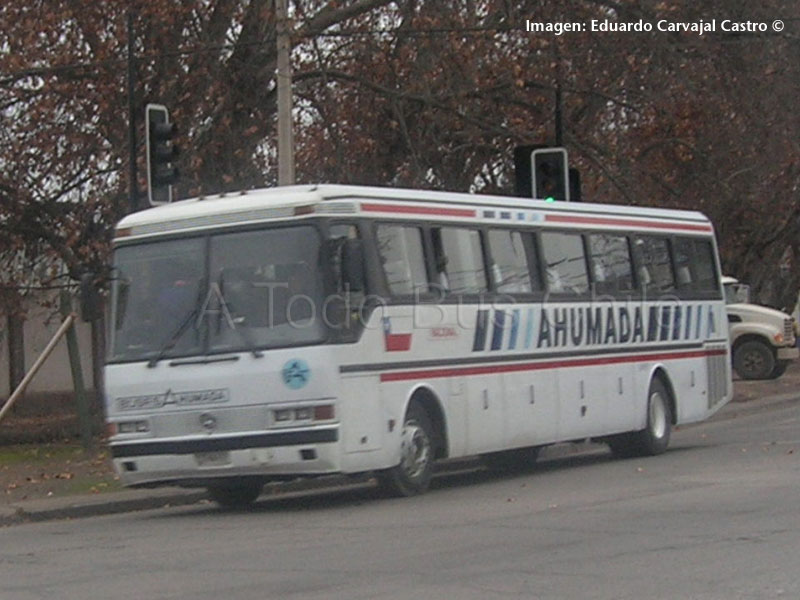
x,y
227,292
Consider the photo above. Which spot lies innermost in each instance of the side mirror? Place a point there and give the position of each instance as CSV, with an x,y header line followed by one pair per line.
x,y
353,265
90,300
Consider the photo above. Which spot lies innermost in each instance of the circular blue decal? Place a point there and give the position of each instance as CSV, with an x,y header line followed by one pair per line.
x,y
296,373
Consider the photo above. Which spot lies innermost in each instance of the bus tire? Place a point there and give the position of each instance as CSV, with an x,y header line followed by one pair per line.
x,y
654,438
753,359
413,474
235,496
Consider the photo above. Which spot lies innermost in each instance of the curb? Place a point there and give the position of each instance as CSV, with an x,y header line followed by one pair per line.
x,y
76,507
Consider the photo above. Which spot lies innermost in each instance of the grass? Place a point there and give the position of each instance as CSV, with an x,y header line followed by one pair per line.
x,y
31,471
25,453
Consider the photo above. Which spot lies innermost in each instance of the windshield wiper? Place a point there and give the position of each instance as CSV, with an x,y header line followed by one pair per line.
x,y
197,313
173,338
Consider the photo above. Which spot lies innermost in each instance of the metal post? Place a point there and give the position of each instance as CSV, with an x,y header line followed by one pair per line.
x,y
82,406
133,188
285,134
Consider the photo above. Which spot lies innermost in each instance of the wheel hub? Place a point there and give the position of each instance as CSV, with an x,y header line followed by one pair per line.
x,y
658,416
415,450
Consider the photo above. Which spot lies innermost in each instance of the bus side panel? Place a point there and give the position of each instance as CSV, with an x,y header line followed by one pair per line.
x,y
583,394
485,413
532,408
362,422
624,398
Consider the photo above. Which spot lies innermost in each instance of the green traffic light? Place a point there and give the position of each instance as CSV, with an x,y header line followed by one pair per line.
x,y
549,199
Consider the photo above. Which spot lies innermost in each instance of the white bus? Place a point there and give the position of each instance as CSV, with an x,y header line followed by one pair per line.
x,y
315,330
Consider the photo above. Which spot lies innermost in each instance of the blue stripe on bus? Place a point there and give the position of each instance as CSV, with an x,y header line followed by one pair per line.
x,y
497,333
512,341
699,321
480,330
688,332
666,312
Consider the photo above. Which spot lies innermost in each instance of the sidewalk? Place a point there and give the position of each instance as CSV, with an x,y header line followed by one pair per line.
x,y
749,397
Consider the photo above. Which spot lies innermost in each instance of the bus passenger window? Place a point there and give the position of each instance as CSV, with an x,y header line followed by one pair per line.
x,y
458,257
565,263
510,264
611,263
402,257
655,266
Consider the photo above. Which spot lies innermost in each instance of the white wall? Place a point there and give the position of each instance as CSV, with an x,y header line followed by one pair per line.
x,y
55,375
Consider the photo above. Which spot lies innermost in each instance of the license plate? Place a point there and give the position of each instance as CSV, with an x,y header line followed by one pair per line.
x,y
213,459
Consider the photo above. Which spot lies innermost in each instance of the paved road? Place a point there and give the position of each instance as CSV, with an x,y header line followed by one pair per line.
x,y
717,517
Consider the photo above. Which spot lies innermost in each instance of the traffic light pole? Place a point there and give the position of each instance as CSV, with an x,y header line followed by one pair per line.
x,y
133,188
285,135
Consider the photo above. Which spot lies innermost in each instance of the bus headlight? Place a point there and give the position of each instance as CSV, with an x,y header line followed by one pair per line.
x,y
303,414
283,415
127,427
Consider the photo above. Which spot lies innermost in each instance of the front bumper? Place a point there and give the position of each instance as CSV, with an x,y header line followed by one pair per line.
x,y
788,353
198,460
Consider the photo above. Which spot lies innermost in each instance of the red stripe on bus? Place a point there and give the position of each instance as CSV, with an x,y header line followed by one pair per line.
x,y
625,223
545,364
419,210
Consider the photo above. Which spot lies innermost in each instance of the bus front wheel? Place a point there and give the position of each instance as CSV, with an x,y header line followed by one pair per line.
x,y
654,438
413,474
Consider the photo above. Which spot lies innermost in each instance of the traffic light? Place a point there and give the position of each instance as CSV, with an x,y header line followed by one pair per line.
x,y
550,174
162,153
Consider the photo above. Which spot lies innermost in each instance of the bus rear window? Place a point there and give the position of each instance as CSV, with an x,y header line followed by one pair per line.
x,y
694,265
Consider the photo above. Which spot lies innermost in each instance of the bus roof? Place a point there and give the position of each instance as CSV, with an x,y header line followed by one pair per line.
x,y
330,199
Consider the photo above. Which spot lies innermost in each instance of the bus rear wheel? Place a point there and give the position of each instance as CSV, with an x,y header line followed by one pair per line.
x,y
413,474
235,496
654,438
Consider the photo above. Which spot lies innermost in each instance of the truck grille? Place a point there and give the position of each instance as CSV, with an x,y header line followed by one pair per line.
x,y
788,330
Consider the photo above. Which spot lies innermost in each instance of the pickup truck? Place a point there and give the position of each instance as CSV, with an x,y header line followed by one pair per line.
x,y
762,339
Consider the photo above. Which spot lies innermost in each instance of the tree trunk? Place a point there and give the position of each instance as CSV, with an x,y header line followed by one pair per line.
x,y
16,350
98,360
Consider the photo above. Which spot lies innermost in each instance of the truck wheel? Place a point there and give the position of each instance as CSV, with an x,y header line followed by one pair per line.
x,y
413,475
753,360
780,369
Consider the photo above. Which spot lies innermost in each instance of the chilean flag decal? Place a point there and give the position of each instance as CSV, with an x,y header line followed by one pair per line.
x,y
395,342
